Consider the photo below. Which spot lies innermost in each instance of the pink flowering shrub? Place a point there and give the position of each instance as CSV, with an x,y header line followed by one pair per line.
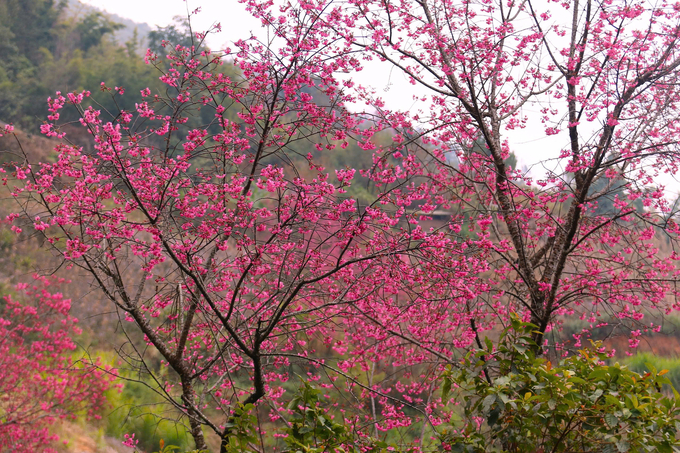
x,y
40,382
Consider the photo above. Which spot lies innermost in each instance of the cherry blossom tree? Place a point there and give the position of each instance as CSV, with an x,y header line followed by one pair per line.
x,y
602,81
224,245
41,383
233,254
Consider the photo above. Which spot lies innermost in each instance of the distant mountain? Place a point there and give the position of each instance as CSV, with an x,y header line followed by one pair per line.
x,y
76,8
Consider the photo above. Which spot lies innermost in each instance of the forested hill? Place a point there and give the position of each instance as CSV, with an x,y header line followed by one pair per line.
x,y
75,8
48,46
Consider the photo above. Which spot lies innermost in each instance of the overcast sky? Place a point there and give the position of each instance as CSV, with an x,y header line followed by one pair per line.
x,y
238,23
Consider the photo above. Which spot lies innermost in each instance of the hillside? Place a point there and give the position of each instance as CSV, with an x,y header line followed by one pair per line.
x,y
47,46
76,8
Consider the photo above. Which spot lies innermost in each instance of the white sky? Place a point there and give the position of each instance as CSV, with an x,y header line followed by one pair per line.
x,y
238,23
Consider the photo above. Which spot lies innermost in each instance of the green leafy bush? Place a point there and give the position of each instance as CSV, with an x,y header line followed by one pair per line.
x,y
640,364
516,401
138,411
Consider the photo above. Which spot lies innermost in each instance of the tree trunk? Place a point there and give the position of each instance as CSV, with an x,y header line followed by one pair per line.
x,y
188,397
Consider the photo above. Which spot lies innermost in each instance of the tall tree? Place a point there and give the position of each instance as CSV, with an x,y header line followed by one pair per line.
x,y
222,249
593,77
92,29
179,33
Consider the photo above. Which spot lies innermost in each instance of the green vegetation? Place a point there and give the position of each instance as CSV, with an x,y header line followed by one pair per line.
x,y
578,404
45,47
646,362
506,399
136,409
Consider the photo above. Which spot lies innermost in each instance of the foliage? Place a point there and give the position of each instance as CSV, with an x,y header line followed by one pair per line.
x,y
40,381
178,34
138,410
242,429
92,29
580,404
310,428
45,47
26,29
640,363
172,449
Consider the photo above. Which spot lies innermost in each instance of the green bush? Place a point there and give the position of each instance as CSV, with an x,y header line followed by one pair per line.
x,y
137,410
527,404
640,364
